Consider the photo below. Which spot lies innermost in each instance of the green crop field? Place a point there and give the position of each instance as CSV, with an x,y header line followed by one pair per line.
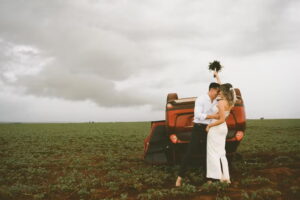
x,y
105,161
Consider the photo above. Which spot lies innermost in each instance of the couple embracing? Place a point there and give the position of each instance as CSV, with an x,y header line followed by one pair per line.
x,y
210,130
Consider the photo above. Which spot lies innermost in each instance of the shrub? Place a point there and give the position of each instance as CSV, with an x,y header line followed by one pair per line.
x,y
261,194
184,191
295,191
215,187
258,181
223,198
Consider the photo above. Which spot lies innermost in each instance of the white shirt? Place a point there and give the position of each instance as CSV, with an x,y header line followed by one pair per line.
x,y
204,107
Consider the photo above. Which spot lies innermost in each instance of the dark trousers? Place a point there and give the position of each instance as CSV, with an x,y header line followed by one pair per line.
x,y
198,141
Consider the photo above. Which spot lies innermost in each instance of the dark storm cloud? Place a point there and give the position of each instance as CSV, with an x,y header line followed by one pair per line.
x,y
92,45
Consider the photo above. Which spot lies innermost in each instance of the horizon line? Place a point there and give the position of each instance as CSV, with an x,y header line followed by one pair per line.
x,y
65,122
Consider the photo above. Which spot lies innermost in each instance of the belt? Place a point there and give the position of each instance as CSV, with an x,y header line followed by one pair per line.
x,y
201,124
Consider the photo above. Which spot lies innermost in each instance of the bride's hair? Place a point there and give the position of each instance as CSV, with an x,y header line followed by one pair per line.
x,y
229,93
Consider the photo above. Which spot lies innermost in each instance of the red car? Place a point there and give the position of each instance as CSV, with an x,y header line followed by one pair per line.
x,y
168,139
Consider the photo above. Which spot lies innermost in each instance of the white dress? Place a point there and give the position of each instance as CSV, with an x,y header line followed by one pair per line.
x,y
216,153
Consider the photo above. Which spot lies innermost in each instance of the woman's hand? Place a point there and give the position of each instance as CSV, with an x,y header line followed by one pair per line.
x,y
215,116
207,128
216,74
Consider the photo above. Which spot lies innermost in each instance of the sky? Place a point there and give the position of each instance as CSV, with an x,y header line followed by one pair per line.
x,y
116,60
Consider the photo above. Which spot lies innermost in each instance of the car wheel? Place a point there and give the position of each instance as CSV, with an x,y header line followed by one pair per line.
x,y
172,97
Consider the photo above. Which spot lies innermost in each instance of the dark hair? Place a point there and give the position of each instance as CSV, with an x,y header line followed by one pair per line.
x,y
214,85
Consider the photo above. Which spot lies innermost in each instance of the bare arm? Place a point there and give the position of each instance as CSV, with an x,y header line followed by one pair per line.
x,y
221,107
216,74
213,116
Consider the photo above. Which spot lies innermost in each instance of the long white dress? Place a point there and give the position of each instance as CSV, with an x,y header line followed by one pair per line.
x,y
216,153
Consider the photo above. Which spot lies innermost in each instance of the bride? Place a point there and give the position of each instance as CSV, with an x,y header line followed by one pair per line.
x,y
217,165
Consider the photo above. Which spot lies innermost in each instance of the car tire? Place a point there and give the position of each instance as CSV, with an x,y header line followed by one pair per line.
x,y
172,97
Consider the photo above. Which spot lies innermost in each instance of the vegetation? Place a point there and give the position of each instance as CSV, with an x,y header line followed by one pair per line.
x,y
105,161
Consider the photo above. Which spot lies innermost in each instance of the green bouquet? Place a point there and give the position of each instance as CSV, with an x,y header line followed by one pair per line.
x,y
215,66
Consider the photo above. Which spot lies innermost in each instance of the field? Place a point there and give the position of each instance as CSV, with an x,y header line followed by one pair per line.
x,y
104,161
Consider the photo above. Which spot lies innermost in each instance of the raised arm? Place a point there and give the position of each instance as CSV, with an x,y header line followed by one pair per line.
x,y
216,75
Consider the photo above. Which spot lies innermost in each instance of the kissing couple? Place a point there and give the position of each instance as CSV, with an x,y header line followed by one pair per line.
x,y
209,131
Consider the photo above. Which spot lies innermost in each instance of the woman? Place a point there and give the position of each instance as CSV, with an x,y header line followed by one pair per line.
x,y
217,165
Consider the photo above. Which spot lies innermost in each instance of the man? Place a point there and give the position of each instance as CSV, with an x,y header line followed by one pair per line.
x,y
203,113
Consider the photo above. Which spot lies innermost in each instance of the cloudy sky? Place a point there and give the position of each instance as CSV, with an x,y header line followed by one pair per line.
x,y
116,60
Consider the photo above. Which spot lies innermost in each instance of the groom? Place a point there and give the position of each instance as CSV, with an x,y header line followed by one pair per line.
x,y
203,113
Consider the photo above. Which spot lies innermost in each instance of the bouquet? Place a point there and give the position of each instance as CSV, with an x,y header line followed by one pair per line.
x,y
215,66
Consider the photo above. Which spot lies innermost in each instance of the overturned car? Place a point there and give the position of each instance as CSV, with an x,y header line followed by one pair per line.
x,y
168,139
